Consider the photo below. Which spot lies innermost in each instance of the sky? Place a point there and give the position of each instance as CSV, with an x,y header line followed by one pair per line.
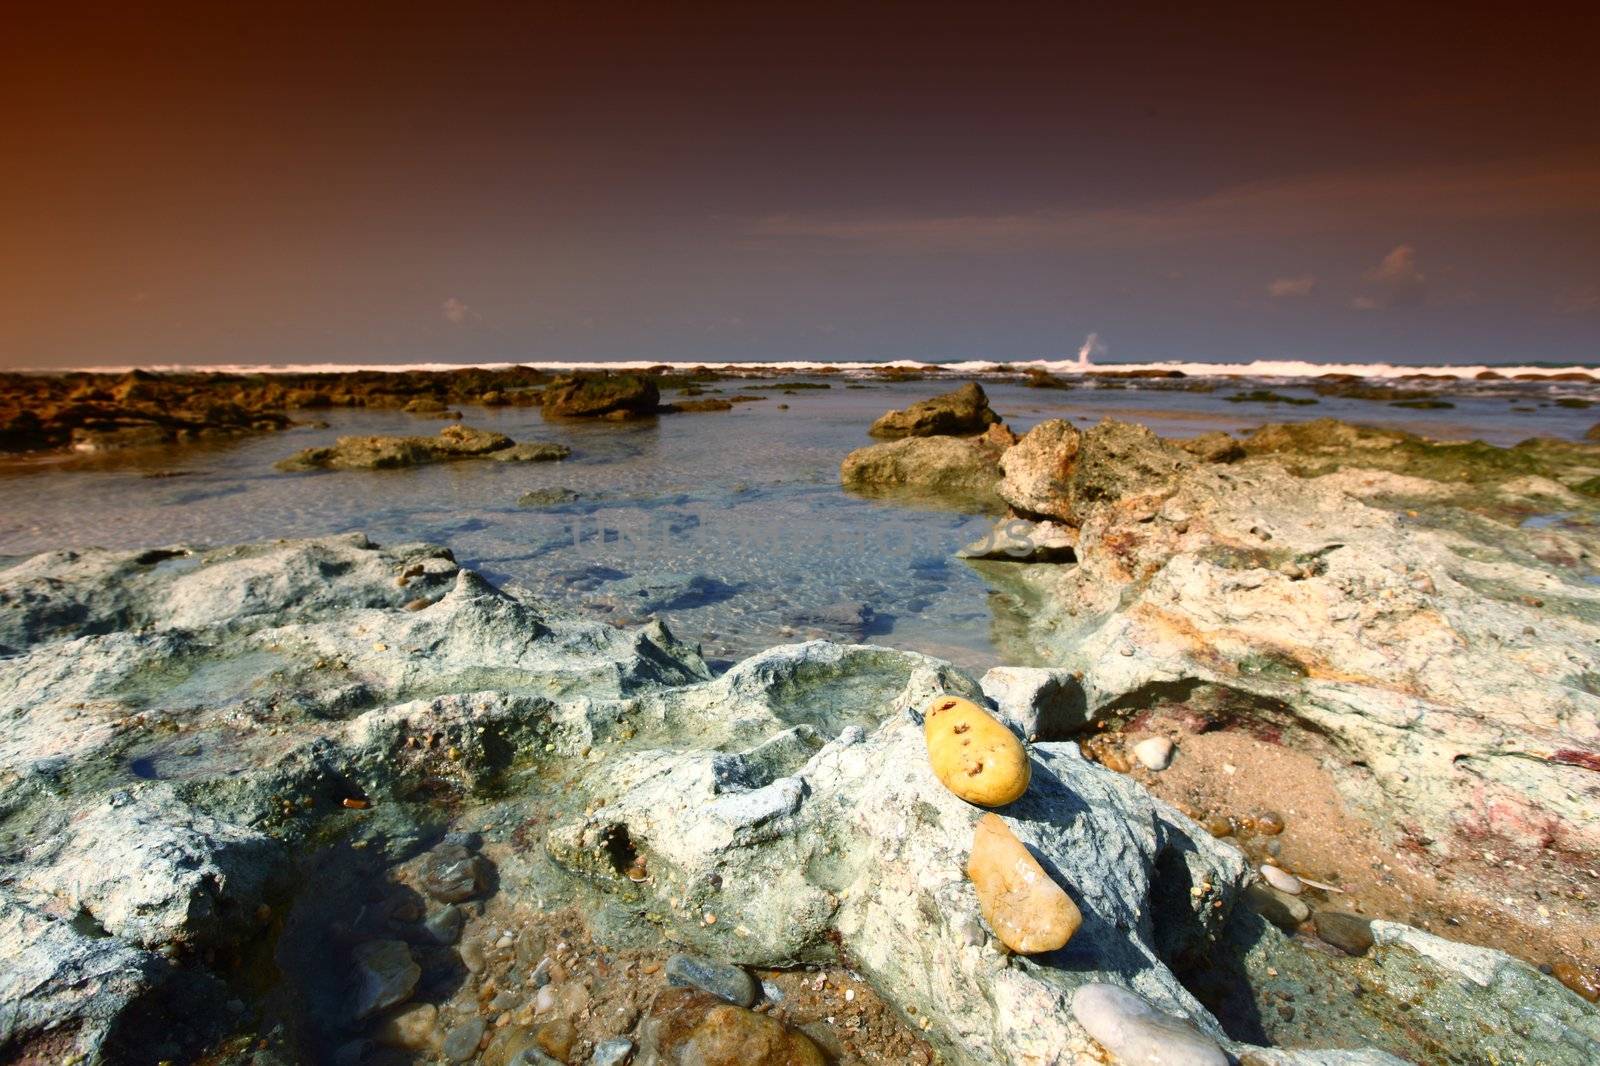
x,y
228,183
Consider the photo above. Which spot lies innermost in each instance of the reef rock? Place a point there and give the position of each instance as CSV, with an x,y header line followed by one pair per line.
x,y
962,471
602,395
1057,472
386,453
961,411
1445,659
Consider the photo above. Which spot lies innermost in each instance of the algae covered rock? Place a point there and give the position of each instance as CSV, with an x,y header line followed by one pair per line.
x,y
1028,912
602,395
973,754
960,411
960,471
387,453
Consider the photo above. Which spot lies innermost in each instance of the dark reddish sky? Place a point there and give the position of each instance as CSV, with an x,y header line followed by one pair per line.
x,y
235,183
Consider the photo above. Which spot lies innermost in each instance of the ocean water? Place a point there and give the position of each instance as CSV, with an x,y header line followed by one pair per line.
x,y
731,525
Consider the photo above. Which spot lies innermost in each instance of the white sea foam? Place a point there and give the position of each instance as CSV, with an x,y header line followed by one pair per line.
x,y
1260,368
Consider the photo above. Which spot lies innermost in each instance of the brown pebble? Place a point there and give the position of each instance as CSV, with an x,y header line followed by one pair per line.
x,y
421,603
350,803
556,1038
1269,823
1585,984
1219,825
1115,760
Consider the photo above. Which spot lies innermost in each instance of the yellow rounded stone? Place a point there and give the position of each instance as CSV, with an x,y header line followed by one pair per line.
x,y
1028,912
976,757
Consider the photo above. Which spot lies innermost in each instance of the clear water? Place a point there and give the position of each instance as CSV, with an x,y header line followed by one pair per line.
x,y
732,525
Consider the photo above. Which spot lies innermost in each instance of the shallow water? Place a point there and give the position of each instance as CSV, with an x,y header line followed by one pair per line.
x,y
732,524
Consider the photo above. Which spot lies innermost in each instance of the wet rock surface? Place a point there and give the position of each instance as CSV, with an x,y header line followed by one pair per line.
x,y
274,707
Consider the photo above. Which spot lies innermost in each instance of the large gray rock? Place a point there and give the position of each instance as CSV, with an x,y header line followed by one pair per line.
x,y
1038,703
149,869
960,411
785,810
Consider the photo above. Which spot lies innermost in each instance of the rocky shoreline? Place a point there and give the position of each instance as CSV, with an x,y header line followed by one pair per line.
x,y
92,413
322,800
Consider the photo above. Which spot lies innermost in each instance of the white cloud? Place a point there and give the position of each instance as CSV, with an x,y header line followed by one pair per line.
x,y
457,311
1281,288
1397,281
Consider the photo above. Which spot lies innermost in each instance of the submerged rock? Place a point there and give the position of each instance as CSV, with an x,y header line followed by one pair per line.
x,y
532,452
962,411
726,982
692,1028
386,453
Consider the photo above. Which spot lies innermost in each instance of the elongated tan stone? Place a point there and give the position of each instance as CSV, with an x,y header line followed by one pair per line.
x,y
973,754
1028,912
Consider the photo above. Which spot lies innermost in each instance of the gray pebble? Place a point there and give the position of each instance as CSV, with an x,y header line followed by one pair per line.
x,y
1279,908
1348,932
618,1052
386,974
445,926
1137,1034
451,873
461,1043
1282,880
719,978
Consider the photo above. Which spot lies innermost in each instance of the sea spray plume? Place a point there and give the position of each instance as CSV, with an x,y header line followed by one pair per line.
x,y
1091,349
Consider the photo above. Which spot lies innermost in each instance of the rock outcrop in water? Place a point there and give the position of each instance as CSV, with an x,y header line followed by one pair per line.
x,y
960,471
961,411
216,758
615,396
390,453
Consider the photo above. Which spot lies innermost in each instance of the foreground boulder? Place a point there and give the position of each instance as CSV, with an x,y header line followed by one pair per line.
x,y
215,718
388,453
962,411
